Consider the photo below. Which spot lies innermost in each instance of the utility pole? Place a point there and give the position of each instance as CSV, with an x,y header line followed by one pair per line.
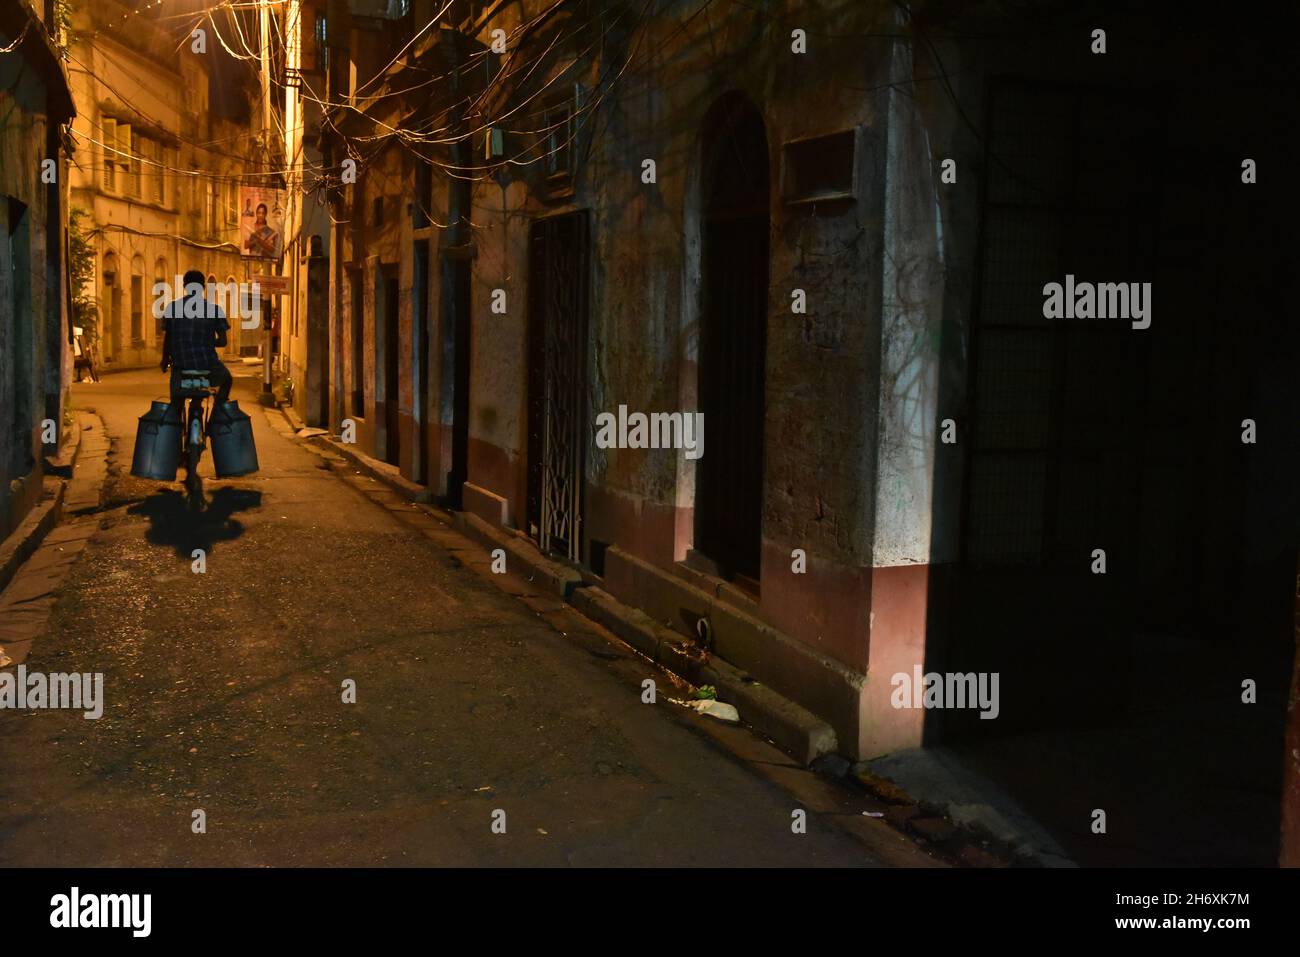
x,y
292,232
264,17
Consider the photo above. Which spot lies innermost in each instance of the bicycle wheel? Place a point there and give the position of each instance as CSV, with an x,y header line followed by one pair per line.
x,y
193,452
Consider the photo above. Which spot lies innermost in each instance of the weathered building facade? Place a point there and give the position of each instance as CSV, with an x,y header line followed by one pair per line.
x,y
830,231
495,293
34,106
304,314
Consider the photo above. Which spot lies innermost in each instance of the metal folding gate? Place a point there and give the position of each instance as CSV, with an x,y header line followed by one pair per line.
x,y
557,386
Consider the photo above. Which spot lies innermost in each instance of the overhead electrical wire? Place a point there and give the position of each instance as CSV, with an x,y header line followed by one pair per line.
x,y
523,61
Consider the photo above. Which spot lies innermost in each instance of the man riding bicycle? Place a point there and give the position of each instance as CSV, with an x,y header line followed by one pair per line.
x,y
180,429
193,329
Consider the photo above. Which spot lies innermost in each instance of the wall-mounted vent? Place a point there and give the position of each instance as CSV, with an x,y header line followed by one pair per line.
x,y
820,169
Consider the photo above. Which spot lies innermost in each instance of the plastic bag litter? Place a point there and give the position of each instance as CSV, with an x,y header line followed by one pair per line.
x,y
711,707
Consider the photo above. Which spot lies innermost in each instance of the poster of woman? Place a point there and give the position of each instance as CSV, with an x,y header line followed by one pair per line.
x,y
261,227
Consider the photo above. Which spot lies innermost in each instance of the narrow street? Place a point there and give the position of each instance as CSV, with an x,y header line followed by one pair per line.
x,y
223,693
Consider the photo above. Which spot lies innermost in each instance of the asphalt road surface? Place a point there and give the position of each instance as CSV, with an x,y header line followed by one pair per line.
x,y
223,693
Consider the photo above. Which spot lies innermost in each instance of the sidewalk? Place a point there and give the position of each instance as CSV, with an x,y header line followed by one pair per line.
x,y
36,560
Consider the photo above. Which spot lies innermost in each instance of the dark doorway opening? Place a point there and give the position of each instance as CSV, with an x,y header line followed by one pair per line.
x,y
733,338
137,311
392,385
113,341
318,284
18,315
557,382
358,338
420,470
455,369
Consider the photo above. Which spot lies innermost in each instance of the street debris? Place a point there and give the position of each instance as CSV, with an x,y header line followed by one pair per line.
x,y
881,787
712,707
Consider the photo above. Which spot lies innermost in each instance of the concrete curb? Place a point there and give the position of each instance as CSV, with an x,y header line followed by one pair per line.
x,y
27,537
114,370
62,462
90,471
794,728
558,578
791,726
28,597
291,416
377,470
29,534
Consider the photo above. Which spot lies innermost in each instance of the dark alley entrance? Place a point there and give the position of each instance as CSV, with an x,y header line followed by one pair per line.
x,y
733,336
391,354
1106,570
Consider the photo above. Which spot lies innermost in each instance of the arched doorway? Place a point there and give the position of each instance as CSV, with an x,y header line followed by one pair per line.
x,y
111,309
733,336
137,302
160,278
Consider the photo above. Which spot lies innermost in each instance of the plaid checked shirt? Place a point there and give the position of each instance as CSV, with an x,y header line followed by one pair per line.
x,y
194,339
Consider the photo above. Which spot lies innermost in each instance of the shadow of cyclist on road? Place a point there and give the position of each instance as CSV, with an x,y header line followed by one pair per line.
x,y
172,524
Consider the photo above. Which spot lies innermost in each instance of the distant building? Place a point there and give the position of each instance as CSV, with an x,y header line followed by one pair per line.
x,y
35,103
165,137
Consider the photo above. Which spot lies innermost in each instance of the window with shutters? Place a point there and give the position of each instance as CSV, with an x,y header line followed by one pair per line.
x,y
137,302
171,186
133,163
160,277
159,174
558,123
210,211
108,132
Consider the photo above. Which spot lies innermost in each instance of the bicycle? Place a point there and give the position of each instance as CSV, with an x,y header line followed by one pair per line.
x,y
193,391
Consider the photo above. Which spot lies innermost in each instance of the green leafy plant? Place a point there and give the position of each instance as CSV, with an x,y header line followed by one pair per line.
x,y
81,270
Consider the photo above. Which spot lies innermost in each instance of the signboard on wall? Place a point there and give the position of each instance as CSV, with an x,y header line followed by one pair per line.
x,y
272,285
261,222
